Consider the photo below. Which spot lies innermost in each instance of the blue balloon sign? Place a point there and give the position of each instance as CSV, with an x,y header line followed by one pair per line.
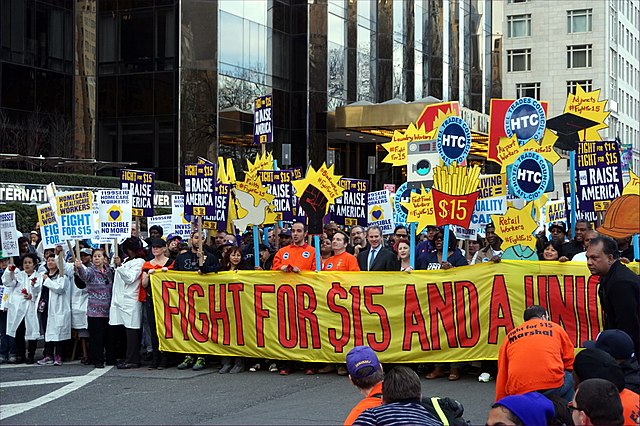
x,y
454,140
526,119
529,176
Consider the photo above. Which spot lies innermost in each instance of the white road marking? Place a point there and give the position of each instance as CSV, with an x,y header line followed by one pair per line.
x,y
76,382
36,382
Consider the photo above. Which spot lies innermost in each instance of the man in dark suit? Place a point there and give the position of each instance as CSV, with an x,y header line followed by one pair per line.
x,y
377,257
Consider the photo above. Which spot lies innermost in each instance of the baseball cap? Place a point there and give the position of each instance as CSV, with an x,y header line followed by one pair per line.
x,y
362,362
560,225
86,251
173,236
158,242
2,256
531,408
615,342
285,232
597,364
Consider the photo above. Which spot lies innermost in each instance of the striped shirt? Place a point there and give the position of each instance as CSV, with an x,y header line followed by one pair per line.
x,y
397,413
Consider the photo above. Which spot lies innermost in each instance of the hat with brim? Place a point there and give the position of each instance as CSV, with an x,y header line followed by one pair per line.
x,y
622,218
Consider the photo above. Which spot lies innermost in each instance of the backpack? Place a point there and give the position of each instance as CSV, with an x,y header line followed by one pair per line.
x,y
447,410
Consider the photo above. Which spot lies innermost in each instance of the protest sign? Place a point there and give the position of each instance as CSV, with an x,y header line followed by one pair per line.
x,y
75,215
49,229
115,213
516,227
181,223
315,193
278,184
460,314
198,188
263,120
380,211
529,176
163,221
492,200
9,234
219,220
454,194
454,140
351,208
140,184
599,175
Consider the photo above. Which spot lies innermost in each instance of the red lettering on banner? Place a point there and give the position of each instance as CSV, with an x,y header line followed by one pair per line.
x,y
201,336
561,306
500,315
357,317
169,311
220,315
287,317
581,308
339,343
413,320
306,315
235,289
528,290
183,311
592,303
471,339
442,307
261,313
543,290
376,309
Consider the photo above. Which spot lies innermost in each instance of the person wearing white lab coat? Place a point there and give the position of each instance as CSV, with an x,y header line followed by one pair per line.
x,y
79,300
126,309
22,315
58,316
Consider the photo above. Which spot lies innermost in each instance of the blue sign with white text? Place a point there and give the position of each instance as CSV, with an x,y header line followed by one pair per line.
x,y
529,176
454,140
526,119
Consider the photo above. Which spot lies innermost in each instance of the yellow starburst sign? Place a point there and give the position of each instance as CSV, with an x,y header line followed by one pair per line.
x,y
516,227
262,162
509,149
397,148
324,179
633,186
587,105
420,208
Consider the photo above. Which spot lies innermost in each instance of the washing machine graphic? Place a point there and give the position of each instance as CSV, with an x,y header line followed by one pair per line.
x,y
422,157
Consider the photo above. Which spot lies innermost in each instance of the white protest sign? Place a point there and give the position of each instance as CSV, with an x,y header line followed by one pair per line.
x,y
465,234
181,226
164,221
9,234
380,211
115,213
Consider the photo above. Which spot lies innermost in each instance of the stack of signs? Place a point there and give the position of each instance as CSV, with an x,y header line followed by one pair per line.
x,y
278,184
381,211
199,189
49,229
492,200
181,223
140,184
351,208
75,215
9,234
115,212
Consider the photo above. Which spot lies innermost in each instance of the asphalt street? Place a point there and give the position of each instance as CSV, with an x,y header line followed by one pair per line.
x,y
77,394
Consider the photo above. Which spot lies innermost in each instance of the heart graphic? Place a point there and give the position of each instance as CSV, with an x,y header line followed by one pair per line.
x,y
376,214
115,214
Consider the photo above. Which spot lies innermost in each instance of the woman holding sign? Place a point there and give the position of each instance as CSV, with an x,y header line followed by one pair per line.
x,y
434,259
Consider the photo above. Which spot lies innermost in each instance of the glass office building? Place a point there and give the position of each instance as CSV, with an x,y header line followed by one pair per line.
x,y
161,82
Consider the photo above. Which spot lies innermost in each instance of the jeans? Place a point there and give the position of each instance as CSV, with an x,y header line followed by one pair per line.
x,y
565,391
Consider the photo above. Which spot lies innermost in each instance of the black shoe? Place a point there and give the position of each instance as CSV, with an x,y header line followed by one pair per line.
x,y
127,366
99,364
30,360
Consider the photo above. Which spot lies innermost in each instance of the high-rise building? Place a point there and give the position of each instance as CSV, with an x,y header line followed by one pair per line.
x,y
161,82
552,46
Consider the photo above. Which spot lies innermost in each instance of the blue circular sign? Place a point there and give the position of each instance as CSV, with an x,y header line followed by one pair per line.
x,y
403,194
526,119
529,176
454,140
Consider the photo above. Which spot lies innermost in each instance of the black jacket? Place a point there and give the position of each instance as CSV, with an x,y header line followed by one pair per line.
x,y
188,261
619,294
631,374
385,260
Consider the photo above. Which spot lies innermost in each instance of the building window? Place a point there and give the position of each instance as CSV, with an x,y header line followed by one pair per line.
x,y
519,60
585,84
579,21
528,90
517,1
579,56
519,25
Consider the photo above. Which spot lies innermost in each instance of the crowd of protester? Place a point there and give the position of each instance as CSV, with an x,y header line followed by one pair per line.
x,y
105,302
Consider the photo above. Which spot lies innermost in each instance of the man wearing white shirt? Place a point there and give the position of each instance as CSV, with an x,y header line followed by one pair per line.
x,y
587,236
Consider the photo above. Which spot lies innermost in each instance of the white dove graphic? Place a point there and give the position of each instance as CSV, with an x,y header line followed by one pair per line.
x,y
255,214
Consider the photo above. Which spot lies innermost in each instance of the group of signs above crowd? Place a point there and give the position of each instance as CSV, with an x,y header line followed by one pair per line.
x,y
441,188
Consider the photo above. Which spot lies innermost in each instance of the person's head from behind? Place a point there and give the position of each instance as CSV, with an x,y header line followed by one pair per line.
x,y
597,364
615,342
531,408
597,402
365,371
401,384
535,311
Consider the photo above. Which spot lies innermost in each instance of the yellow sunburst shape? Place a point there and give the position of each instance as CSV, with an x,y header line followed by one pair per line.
x,y
324,179
633,186
421,209
397,148
262,162
456,180
516,227
438,120
509,149
253,186
587,105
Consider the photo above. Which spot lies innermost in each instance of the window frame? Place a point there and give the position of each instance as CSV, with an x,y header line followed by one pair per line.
x,y
576,13
513,19
512,53
573,49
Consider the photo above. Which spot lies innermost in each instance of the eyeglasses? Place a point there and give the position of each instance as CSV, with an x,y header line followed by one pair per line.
x,y
402,235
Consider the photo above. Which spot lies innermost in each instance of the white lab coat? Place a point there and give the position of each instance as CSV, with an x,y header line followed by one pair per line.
x,y
59,309
78,299
20,308
125,308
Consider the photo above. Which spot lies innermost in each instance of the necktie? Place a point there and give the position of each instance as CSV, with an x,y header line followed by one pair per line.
x,y
372,257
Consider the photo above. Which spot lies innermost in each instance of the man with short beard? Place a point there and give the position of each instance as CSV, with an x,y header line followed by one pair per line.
x,y
576,245
173,245
358,242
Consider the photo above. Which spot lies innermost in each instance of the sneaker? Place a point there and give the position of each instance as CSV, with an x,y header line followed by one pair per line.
x,y
226,368
485,378
30,360
57,360
310,372
13,359
285,371
329,368
187,363
3,360
199,365
47,360
273,368
237,368
255,367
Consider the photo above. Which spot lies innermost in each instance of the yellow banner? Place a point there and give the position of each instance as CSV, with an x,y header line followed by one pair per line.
x,y
461,314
